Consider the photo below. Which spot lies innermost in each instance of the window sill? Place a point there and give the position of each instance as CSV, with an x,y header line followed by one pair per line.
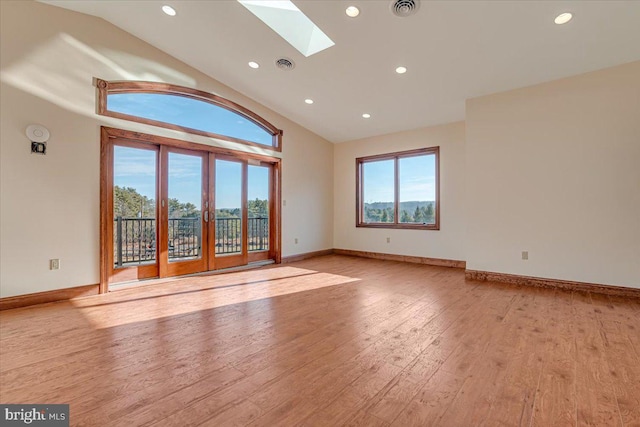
x,y
435,227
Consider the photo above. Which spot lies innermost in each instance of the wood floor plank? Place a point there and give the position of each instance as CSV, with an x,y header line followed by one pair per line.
x,y
332,340
431,402
206,411
556,401
624,363
240,414
597,405
399,392
483,365
523,340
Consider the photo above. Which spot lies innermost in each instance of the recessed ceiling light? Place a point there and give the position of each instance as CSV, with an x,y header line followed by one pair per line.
x,y
401,70
308,101
366,115
563,18
169,10
253,64
352,11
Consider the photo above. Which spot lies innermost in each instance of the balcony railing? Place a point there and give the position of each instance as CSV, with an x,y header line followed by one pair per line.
x,y
185,236
135,238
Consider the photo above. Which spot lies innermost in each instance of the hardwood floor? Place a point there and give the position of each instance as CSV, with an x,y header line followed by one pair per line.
x,y
333,340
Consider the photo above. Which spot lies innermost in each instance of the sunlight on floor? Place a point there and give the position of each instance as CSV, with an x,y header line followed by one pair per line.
x,y
193,294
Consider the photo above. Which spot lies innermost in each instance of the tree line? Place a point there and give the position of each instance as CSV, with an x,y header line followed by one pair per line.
x,y
128,203
381,213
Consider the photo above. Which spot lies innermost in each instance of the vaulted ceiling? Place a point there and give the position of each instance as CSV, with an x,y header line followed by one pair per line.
x,y
453,50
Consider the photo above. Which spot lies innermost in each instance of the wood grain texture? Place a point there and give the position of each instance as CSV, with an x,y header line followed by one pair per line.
x,y
331,340
106,206
146,138
515,279
18,301
403,258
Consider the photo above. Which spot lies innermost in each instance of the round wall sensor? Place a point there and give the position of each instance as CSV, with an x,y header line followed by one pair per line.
x,y
37,133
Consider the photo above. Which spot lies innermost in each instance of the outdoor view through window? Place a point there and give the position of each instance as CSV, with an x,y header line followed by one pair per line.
x,y
181,207
402,184
135,207
189,113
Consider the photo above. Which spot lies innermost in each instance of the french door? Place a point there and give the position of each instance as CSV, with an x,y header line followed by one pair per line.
x,y
184,211
171,208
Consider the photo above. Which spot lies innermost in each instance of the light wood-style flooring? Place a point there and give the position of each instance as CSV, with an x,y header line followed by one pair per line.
x,y
329,341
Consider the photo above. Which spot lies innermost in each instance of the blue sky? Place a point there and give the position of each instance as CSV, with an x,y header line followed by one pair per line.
x,y
416,175
190,113
136,168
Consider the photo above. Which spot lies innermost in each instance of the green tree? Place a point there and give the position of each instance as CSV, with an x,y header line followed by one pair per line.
x,y
418,216
128,203
384,217
182,210
258,208
429,215
390,214
372,214
405,217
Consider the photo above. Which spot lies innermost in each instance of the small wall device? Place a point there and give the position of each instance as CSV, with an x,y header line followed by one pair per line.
x,y
38,135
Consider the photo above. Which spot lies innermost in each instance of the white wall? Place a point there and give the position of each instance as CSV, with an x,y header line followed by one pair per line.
x,y
555,169
50,204
446,243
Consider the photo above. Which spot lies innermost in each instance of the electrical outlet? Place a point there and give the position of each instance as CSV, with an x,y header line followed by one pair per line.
x,y
388,239
54,264
284,203
295,240
525,255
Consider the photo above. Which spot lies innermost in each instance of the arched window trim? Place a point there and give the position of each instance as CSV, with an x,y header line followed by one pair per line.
x,y
106,88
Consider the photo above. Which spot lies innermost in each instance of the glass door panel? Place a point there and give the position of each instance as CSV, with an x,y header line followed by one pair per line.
x,y
134,225
229,213
258,211
185,197
184,207
172,211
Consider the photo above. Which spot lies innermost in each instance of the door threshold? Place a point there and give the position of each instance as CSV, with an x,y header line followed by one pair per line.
x,y
156,281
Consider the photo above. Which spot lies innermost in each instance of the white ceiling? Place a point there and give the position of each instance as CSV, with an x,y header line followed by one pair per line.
x,y
453,50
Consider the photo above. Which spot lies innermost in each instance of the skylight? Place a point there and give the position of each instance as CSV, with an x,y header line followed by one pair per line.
x,y
283,17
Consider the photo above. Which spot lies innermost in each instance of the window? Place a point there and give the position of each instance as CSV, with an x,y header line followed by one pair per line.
x,y
399,190
185,109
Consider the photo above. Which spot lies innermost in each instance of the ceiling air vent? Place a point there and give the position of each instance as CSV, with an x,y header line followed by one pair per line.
x,y
404,8
285,64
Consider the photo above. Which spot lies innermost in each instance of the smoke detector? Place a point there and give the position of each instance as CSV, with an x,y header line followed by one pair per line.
x,y
404,8
285,64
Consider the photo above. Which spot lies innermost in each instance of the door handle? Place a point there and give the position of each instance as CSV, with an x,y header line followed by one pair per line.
x,y
206,216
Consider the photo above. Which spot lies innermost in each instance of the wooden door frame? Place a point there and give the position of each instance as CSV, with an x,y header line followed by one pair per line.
x,y
178,268
233,259
106,216
107,134
268,254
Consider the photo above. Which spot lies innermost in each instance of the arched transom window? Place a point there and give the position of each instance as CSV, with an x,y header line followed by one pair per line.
x,y
185,109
